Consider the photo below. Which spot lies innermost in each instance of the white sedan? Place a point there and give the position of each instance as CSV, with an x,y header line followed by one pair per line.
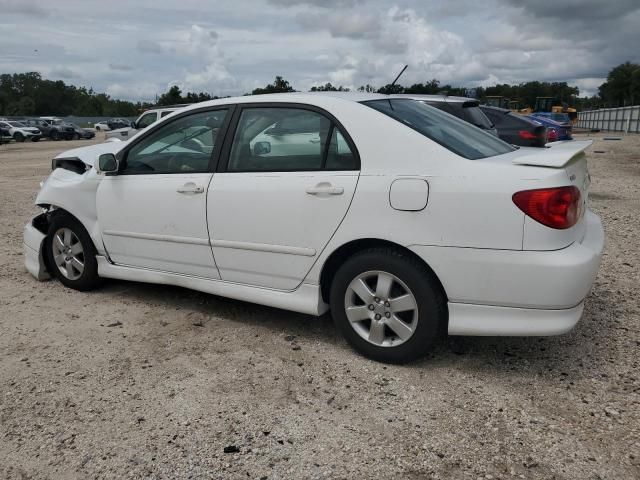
x,y
402,220
102,126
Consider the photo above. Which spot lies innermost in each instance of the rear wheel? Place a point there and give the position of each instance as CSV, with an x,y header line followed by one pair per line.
x,y
76,136
387,306
18,137
71,254
55,135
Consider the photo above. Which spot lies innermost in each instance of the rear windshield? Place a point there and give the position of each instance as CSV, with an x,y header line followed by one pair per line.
x,y
452,133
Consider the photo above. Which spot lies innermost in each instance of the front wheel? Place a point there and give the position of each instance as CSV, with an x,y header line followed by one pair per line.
x,y
71,254
18,137
388,306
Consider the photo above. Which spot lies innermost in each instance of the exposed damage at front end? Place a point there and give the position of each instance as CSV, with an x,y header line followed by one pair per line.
x,y
71,187
35,233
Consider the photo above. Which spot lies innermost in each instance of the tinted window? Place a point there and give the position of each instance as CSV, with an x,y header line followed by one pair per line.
x,y
287,139
146,120
181,146
452,133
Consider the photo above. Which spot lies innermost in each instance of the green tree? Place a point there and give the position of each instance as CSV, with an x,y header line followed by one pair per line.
x,y
172,97
327,87
622,86
280,85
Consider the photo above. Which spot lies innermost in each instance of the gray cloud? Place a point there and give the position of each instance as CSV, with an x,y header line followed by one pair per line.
x,y
149,46
342,24
62,72
121,67
22,7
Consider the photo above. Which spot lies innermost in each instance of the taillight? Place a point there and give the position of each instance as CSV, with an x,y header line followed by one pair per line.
x,y
527,135
558,207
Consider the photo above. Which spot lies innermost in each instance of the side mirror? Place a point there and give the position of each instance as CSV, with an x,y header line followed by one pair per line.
x,y
261,148
108,163
133,125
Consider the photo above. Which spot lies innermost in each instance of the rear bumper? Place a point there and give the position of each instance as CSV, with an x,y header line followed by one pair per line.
x,y
525,282
488,320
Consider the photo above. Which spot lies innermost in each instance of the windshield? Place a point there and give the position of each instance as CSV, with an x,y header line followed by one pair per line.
x,y
17,124
452,133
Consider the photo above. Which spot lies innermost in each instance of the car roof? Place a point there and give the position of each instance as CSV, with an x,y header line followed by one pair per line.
x,y
293,97
435,98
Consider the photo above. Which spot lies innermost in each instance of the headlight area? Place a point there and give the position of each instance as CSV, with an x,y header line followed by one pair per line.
x,y
73,164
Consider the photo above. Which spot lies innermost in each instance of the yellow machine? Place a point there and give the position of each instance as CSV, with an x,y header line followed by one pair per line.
x,y
546,104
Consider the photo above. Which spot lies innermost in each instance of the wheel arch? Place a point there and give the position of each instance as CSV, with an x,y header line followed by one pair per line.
x,y
340,254
42,222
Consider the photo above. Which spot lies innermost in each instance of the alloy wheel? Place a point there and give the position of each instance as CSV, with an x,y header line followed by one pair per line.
x,y
381,308
68,253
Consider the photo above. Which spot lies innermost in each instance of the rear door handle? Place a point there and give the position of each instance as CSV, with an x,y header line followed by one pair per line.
x,y
325,189
190,188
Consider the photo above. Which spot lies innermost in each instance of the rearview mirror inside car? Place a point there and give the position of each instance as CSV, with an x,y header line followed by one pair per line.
x,y
261,148
107,163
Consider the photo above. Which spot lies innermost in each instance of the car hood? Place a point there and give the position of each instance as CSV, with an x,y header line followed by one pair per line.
x,y
90,154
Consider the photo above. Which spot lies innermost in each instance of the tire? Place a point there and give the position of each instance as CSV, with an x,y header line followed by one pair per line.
x,y
35,139
403,333
18,137
76,136
86,278
98,129
55,135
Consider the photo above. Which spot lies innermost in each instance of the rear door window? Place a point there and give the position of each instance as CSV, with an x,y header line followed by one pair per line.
x,y
279,139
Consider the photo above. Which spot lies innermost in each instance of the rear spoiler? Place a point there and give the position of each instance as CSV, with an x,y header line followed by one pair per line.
x,y
556,155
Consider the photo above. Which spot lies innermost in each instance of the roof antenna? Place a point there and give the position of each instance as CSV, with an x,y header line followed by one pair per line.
x,y
401,72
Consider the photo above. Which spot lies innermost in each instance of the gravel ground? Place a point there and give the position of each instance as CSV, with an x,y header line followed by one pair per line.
x,y
137,380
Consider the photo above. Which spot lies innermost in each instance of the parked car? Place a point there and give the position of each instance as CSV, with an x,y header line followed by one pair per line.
x,y
20,132
114,123
402,220
49,129
516,129
467,109
564,130
5,135
55,128
103,125
82,133
146,119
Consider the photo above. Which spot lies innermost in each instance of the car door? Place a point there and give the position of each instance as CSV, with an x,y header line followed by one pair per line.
x,y
284,186
152,214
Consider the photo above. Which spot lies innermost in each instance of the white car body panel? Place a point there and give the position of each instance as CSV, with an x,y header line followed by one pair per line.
x,y
145,222
284,228
503,273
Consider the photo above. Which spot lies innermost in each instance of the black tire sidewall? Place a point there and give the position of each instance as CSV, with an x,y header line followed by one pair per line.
x,y
18,137
89,278
420,282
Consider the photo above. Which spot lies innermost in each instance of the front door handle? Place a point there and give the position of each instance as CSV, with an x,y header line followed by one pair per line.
x,y
325,189
190,188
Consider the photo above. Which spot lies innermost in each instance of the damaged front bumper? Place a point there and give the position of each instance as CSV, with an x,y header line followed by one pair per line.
x,y
33,252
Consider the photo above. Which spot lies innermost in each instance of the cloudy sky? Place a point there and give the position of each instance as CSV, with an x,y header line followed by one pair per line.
x,y
135,49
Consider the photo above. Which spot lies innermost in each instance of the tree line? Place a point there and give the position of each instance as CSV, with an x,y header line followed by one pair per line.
x,y
30,94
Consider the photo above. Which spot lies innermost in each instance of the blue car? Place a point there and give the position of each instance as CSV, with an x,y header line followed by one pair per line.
x,y
564,128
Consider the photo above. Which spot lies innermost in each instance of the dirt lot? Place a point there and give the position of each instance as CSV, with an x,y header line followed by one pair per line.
x,y
138,380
